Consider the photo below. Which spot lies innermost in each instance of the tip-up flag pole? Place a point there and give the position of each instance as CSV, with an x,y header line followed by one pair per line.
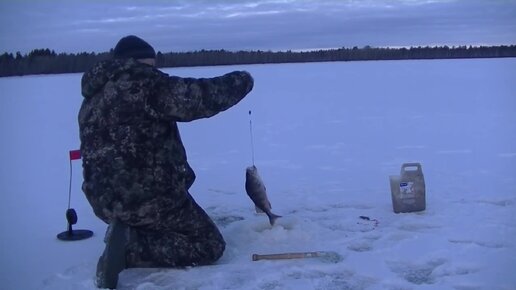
x,y
71,214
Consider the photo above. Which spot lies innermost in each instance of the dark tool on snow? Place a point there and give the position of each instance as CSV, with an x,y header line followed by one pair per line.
x,y
325,255
71,214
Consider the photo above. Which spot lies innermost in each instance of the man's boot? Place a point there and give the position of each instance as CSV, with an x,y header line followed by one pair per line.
x,y
112,261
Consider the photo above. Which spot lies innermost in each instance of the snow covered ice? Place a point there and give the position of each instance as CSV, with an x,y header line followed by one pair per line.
x,y
327,136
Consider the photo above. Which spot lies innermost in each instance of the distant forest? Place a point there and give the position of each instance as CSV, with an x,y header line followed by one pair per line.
x,y
46,61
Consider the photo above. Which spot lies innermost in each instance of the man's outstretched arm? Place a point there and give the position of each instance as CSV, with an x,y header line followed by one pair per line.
x,y
187,99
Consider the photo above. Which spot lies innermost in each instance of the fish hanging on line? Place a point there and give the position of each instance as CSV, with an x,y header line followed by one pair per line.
x,y
256,190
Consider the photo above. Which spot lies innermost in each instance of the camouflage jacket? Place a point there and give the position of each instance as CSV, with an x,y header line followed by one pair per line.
x,y
134,163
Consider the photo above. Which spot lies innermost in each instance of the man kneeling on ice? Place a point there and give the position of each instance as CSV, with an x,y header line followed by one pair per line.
x,y
136,174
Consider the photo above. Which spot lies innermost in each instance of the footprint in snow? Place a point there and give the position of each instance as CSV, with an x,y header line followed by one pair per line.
x,y
500,203
429,272
360,246
224,221
364,244
478,243
418,274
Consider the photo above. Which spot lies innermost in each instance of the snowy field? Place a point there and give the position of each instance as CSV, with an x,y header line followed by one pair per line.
x,y
327,136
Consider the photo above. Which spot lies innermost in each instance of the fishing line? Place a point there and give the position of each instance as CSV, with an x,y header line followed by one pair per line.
x,y
251,131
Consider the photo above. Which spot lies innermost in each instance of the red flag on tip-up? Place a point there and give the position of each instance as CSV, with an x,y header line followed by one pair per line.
x,y
75,154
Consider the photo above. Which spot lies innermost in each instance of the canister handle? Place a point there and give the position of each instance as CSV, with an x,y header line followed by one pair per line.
x,y
405,165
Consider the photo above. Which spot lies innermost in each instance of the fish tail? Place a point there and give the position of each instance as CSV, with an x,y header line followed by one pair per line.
x,y
273,218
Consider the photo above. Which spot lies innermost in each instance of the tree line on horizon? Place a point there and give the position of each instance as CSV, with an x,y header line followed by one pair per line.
x,y
46,61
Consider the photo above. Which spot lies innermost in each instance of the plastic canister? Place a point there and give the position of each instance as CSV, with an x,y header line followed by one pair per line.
x,y
408,189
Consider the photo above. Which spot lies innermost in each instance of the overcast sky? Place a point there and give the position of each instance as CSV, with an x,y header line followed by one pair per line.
x,y
186,25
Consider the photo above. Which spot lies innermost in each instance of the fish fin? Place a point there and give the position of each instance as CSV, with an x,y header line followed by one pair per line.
x,y
273,218
258,210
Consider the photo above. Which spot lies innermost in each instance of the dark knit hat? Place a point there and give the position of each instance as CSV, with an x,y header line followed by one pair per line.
x,y
135,47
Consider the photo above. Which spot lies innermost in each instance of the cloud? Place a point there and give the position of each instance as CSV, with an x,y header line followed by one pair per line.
x,y
180,25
